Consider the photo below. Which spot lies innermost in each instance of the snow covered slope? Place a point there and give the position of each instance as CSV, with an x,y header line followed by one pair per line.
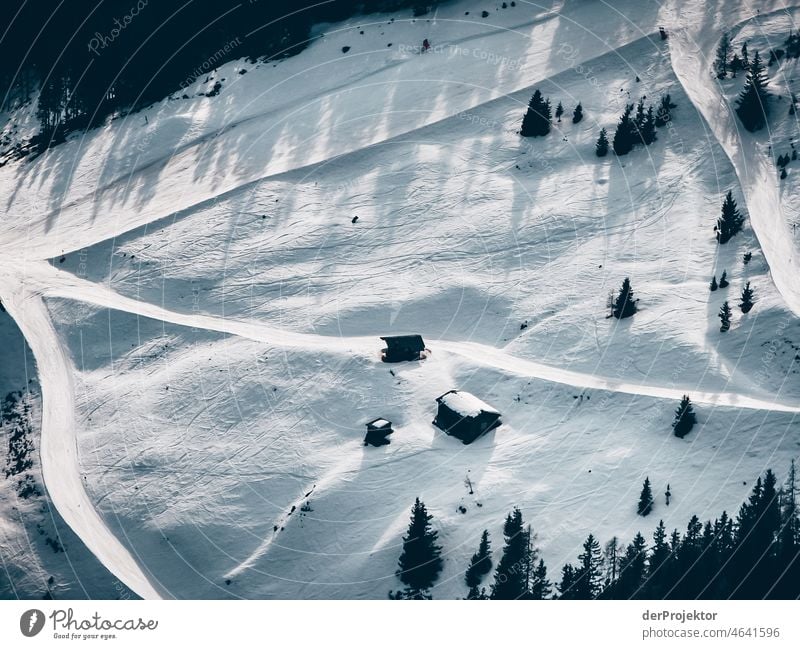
x,y
204,308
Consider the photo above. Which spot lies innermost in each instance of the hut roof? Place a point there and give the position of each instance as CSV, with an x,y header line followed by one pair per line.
x,y
411,340
379,423
465,404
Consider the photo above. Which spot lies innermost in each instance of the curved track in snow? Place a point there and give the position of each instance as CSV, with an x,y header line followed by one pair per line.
x,y
26,288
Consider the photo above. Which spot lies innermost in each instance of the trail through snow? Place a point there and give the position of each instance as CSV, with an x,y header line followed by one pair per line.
x,y
27,287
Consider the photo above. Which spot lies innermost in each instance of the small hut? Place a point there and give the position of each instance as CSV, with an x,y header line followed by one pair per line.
x,y
377,432
465,416
402,348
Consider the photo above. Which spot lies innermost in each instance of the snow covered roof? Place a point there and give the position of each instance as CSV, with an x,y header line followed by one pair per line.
x,y
465,404
379,423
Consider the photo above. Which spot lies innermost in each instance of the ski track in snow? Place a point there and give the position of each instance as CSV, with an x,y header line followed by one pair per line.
x,y
27,287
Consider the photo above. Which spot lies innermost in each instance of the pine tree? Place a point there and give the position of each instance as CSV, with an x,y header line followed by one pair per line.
x,y
566,587
421,560
723,280
541,587
481,562
723,52
477,593
625,135
747,299
735,65
753,104
589,574
601,148
714,283
731,221
745,57
685,418
658,563
725,317
632,569
577,114
624,305
559,111
537,119
515,570
648,129
645,505
664,112
789,552
639,120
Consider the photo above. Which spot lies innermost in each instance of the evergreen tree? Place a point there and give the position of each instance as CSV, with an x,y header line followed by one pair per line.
x,y
664,112
721,61
589,574
481,562
714,283
514,572
735,65
723,280
745,56
541,587
624,305
601,148
725,317
747,300
559,111
421,561
537,119
731,221
625,135
657,564
685,418
632,569
648,129
645,499
789,552
566,587
477,593
577,114
753,104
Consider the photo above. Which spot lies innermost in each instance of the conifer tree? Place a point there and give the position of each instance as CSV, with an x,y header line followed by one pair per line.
x,y
421,560
789,552
735,65
664,112
537,119
577,114
625,135
714,283
559,111
589,573
723,280
515,569
645,505
632,569
753,103
481,562
725,317
730,221
541,587
745,56
566,587
648,129
601,148
685,418
624,304
721,61
657,564
747,299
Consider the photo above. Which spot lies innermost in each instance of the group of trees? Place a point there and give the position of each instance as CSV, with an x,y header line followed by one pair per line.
x,y
755,555
94,59
538,117
752,106
636,129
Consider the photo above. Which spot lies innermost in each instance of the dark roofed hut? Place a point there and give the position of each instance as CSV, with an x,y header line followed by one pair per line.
x,y
465,416
377,432
402,348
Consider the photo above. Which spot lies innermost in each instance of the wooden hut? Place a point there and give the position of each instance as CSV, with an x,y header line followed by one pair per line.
x,y
465,416
402,348
377,432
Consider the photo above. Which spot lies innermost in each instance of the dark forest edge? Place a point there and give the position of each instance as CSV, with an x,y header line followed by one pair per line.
x,y
755,555
95,60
